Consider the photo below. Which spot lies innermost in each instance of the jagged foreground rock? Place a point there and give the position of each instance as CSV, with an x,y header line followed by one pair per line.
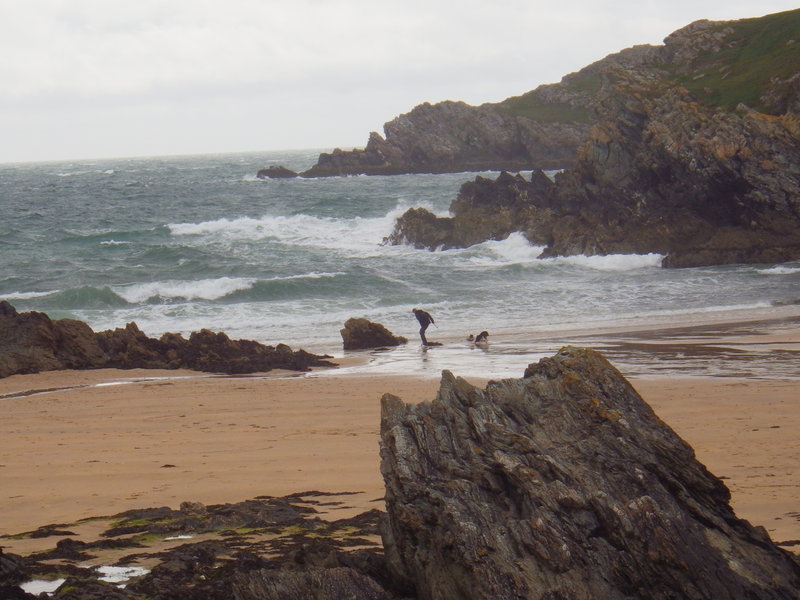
x,y
561,485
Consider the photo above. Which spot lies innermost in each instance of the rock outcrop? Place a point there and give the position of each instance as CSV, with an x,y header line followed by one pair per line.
x,y
363,334
541,129
453,136
32,342
695,154
562,484
276,172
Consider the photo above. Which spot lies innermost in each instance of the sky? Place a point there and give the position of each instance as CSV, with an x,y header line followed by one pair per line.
x,y
86,79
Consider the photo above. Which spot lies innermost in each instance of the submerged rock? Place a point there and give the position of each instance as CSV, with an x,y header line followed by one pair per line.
x,y
32,342
362,334
562,484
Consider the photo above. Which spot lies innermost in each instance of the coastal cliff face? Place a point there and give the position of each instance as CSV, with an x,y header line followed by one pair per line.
x,y
695,154
454,136
563,484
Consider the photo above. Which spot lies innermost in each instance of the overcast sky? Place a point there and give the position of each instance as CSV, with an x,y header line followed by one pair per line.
x,y
104,78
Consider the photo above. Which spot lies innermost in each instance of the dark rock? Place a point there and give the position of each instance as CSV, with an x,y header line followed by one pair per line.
x,y
451,137
275,172
314,584
563,484
32,342
83,589
485,209
671,166
12,570
361,334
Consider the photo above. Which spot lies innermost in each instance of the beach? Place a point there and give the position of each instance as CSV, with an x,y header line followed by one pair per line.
x,y
81,444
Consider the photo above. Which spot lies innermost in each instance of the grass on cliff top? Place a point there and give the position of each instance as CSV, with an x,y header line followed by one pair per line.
x,y
531,106
757,50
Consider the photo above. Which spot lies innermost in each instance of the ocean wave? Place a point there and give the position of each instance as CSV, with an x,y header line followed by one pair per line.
x,y
780,270
223,288
87,297
517,250
25,295
614,262
362,234
202,289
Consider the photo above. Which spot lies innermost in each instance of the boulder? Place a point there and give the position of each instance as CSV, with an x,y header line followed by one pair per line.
x,y
562,484
361,334
32,342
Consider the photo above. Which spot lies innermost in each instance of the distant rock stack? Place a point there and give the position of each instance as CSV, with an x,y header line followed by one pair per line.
x,y
562,484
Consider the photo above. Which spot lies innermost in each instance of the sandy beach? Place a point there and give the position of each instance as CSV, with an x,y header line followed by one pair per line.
x,y
75,445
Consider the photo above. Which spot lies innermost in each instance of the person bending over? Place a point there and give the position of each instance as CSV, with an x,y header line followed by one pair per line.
x,y
424,321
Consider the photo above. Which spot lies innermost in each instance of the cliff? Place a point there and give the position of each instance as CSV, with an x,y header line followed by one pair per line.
x,y
454,136
695,154
540,129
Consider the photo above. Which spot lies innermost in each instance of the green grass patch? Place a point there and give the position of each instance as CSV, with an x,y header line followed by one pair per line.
x,y
756,51
530,106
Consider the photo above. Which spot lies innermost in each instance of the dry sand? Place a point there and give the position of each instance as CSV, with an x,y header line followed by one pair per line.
x,y
77,449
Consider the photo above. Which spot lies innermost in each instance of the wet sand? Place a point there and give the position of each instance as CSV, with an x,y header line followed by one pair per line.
x,y
75,445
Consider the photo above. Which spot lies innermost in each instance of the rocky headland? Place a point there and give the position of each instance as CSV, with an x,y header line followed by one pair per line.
x,y
561,484
32,342
694,154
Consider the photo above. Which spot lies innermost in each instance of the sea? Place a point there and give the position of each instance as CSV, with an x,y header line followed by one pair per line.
x,y
179,244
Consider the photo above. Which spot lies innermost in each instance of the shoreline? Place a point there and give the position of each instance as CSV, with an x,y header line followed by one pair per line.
x,y
82,444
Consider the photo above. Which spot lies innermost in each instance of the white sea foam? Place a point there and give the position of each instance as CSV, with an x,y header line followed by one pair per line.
x,y
203,289
515,249
615,262
41,586
112,574
780,270
361,234
26,295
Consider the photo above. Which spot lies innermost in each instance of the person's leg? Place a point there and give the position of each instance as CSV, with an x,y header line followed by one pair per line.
x,y
422,334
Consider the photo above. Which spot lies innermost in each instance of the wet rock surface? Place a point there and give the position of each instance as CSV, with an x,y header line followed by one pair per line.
x,y
563,484
258,549
32,342
363,334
